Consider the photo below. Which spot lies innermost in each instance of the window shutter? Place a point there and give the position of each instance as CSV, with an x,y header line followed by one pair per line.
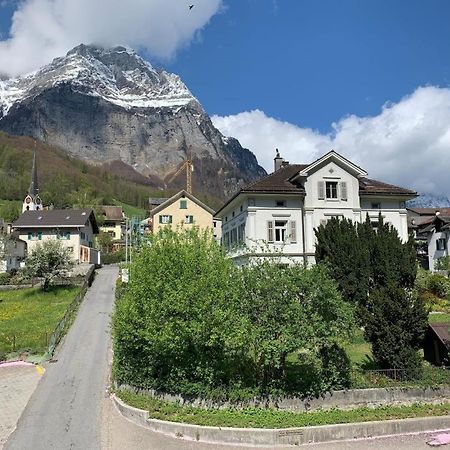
x,y
293,234
343,190
321,189
270,231
170,219
160,219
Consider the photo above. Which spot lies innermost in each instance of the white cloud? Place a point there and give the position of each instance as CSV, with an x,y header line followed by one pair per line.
x,y
44,29
407,144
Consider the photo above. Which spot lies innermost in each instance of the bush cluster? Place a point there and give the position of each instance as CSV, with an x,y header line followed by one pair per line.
x,y
113,257
5,278
190,322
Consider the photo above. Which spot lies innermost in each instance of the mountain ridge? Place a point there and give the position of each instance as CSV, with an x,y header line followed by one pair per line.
x,y
103,105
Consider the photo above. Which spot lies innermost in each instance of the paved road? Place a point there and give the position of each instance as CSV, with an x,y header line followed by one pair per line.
x,y
65,410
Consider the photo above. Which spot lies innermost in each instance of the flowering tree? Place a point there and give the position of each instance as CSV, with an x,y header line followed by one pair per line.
x,y
49,260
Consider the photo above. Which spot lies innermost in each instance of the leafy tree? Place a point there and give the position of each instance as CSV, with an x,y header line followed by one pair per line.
x,y
289,308
176,327
49,260
105,242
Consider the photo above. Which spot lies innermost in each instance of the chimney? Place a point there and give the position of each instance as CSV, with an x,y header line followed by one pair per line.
x,y
278,161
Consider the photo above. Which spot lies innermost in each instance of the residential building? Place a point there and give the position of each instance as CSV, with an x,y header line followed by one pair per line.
x,y
74,228
13,252
184,210
280,212
114,224
436,234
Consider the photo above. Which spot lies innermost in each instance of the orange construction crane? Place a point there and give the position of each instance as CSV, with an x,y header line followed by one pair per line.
x,y
189,169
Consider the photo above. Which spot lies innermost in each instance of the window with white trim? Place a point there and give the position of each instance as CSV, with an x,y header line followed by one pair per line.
x,y
165,219
281,231
189,219
331,189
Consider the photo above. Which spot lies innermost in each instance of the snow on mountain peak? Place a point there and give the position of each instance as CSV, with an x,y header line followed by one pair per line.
x,y
117,75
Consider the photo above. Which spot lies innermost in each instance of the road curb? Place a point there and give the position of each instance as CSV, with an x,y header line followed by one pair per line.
x,y
287,436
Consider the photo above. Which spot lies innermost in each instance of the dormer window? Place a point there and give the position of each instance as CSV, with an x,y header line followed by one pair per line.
x,y
331,189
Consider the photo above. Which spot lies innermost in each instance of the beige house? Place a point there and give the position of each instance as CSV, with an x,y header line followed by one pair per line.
x,y
184,210
74,228
114,224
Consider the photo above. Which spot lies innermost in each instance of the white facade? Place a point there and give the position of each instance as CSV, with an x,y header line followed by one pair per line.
x,y
14,253
257,223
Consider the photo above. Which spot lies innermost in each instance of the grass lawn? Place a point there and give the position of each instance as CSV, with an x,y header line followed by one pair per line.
x,y
359,351
31,315
130,210
439,318
267,418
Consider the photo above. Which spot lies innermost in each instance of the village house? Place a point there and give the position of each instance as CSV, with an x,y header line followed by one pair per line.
x,y
182,210
280,212
431,230
113,225
74,228
12,252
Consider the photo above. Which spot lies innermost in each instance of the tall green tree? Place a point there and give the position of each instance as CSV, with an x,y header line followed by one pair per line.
x,y
376,270
395,324
347,256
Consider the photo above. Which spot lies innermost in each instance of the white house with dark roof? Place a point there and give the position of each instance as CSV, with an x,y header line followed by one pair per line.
x,y
280,212
74,228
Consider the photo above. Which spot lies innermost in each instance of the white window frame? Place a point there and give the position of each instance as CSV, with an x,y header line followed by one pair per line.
x,y
330,184
280,231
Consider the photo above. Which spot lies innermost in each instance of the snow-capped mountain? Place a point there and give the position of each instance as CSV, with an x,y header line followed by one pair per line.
x,y
110,104
429,201
117,75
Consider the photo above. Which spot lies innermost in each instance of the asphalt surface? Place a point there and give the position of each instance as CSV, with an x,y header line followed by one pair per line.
x,y
65,410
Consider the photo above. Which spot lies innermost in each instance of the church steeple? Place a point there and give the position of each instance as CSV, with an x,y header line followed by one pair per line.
x,y
34,187
32,201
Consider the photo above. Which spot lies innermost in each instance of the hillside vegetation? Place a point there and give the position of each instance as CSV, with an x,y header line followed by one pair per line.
x,y
65,181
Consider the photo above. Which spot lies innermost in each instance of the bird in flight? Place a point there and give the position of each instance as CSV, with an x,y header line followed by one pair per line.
x,y
190,7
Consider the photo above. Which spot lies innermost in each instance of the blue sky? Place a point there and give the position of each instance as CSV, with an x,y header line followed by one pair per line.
x,y
300,74
312,61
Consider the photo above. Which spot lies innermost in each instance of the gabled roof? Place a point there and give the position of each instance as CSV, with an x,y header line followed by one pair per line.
x,y
441,330
430,211
278,182
56,218
445,224
113,213
176,197
374,187
284,181
337,157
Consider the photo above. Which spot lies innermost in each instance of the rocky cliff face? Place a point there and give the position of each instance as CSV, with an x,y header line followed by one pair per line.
x,y
105,105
